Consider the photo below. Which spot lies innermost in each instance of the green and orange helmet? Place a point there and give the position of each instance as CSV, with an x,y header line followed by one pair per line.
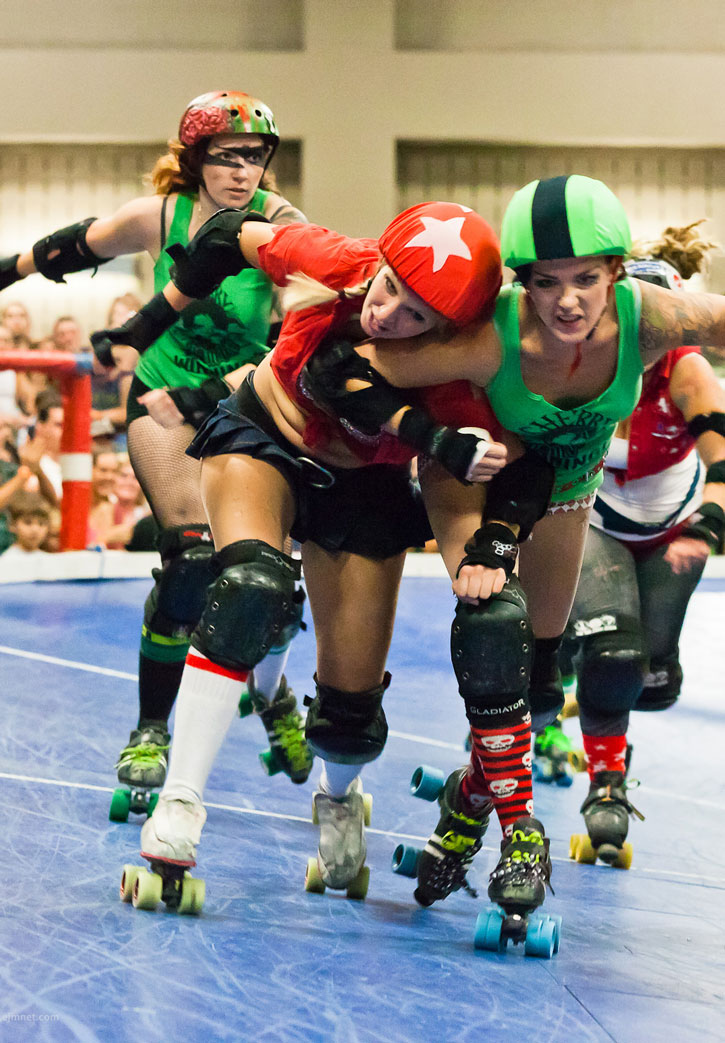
x,y
227,112
561,217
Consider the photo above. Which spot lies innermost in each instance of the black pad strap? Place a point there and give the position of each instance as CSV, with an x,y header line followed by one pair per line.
x,y
71,252
707,422
494,546
715,472
212,255
196,404
520,493
9,271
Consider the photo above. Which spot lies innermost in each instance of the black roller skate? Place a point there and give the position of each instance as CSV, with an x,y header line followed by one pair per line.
x,y
441,867
142,767
555,758
518,886
606,812
288,751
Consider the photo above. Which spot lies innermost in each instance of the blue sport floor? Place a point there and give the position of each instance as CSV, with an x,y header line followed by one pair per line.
x,y
642,953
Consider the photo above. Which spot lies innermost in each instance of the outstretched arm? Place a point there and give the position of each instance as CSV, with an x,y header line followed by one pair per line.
x,y
671,318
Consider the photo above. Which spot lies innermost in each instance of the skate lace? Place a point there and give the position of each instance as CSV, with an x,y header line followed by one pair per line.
x,y
520,864
623,799
290,735
451,873
145,755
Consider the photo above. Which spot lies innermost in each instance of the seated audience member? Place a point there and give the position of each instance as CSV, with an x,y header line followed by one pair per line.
x,y
29,521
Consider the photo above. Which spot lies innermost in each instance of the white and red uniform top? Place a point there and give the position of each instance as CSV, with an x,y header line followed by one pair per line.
x,y
653,480
340,262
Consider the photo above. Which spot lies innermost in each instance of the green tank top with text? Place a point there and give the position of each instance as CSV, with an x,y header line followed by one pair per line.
x,y
574,440
217,334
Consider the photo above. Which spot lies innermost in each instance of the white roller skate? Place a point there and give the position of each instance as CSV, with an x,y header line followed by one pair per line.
x,y
340,862
168,841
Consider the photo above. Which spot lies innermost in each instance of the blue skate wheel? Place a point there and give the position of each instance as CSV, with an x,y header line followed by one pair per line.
x,y
405,860
427,783
542,937
120,805
542,770
565,778
489,926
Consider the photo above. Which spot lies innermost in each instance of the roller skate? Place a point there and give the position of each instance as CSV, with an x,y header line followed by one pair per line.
x,y
606,812
142,767
555,758
518,887
442,865
340,862
288,750
168,841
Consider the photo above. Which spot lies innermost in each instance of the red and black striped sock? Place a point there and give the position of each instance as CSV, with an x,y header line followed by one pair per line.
x,y
500,769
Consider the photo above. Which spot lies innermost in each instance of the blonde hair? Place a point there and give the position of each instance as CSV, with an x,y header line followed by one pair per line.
x,y
179,170
302,291
685,248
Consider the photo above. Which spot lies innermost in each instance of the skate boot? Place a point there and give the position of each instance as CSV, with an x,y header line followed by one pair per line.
x,y
555,758
340,862
142,767
168,841
445,860
518,887
288,751
606,812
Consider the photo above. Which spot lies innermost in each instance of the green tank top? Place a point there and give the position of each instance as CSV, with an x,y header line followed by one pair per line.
x,y
217,334
575,440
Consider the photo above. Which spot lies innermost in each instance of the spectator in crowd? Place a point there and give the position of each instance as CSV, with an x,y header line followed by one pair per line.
x,y
29,523
16,320
11,384
129,506
110,388
42,449
67,334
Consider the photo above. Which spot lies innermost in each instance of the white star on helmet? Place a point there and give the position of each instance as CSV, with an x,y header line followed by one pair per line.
x,y
444,237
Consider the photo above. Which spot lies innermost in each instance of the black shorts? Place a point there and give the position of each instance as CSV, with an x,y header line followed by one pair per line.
x,y
373,511
134,409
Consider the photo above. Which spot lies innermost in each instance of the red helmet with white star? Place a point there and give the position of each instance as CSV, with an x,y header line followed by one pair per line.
x,y
446,254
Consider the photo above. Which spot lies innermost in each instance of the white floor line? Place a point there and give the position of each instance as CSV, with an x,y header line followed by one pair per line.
x,y
89,668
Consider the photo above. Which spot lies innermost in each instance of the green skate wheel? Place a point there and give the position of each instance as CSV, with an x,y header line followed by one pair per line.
x,y
405,860
542,937
427,783
358,887
246,707
313,881
120,805
489,926
147,890
269,762
153,801
580,849
193,893
128,880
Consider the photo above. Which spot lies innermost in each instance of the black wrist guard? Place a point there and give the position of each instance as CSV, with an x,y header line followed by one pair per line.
x,y
324,379
715,472
520,493
212,255
196,404
708,524
494,546
453,449
70,249
707,422
9,271
139,332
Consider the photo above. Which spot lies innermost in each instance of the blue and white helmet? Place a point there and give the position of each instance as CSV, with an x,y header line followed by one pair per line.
x,y
658,272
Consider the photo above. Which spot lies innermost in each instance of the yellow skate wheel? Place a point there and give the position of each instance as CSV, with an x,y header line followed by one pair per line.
x,y
315,820
313,881
193,893
577,759
624,859
580,848
127,881
147,890
358,887
368,807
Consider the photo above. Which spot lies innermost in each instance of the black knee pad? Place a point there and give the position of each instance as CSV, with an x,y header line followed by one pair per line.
x,y
612,663
293,621
662,686
347,727
546,691
177,599
492,646
248,606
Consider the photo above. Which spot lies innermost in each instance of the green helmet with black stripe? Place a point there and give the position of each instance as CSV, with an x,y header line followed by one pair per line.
x,y
560,217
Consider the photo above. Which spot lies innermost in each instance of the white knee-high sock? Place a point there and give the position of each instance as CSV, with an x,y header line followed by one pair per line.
x,y
267,675
336,778
205,708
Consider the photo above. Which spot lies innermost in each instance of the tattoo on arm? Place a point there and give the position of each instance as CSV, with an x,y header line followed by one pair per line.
x,y
671,318
286,214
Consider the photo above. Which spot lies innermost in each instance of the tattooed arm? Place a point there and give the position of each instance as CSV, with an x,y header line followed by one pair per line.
x,y
281,212
671,318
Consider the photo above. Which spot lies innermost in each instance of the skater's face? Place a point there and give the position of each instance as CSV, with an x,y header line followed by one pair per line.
x,y
233,167
391,310
570,295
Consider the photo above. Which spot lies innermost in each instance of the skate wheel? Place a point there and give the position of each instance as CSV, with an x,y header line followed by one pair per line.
x,y
624,859
580,848
577,759
153,801
467,745
405,860
542,937
358,887
565,777
489,926
427,783
193,893
269,762
128,880
147,890
542,770
245,705
313,881
120,805
367,808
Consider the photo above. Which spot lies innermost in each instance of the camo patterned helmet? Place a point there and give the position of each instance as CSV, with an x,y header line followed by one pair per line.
x,y
227,112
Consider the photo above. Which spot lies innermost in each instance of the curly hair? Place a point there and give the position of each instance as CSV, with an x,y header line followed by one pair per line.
x,y
685,248
179,169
